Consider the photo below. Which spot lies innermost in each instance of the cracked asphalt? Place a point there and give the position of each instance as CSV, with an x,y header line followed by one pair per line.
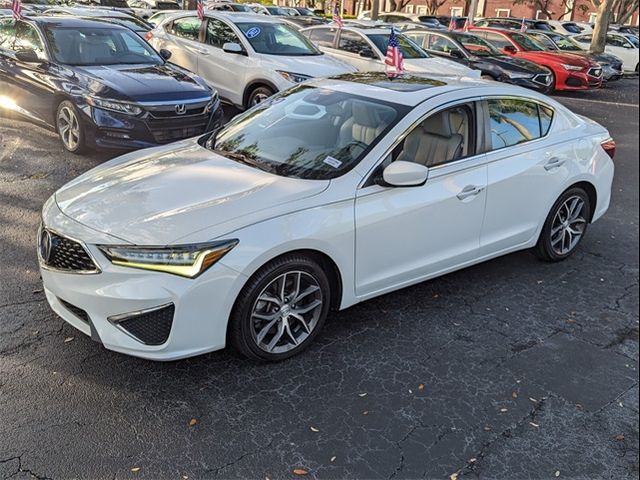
x,y
510,369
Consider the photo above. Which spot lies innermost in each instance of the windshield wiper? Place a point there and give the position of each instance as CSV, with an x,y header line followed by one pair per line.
x,y
245,159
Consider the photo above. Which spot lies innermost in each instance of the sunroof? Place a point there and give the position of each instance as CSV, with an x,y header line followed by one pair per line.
x,y
400,83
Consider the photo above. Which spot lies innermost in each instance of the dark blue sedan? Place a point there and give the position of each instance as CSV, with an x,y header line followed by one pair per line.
x,y
99,85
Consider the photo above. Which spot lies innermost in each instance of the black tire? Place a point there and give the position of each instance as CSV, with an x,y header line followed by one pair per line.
x,y
79,146
241,331
552,86
258,95
545,249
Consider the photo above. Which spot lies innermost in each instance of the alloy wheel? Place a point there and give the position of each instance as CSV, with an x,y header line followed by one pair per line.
x,y
569,224
286,312
69,128
258,98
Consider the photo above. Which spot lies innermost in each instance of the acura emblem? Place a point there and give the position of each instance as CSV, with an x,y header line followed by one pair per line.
x,y
181,109
45,246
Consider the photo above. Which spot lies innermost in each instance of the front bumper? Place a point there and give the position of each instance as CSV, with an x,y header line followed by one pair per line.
x,y
96,303
572,81
111,130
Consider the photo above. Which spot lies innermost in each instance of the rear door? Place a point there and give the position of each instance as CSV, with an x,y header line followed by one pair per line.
x,y
527,168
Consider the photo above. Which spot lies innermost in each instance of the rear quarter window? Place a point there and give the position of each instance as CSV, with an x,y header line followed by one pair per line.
x,y
517,121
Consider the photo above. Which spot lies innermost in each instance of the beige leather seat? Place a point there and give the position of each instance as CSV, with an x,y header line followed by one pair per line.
x,y
433,142
365,125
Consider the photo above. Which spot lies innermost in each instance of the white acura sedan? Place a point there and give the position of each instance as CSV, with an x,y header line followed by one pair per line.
x,y
245,57
326,195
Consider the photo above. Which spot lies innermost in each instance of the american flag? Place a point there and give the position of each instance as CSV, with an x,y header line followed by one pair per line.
x,y
337,18
394,61
16,8
200,8
452,24
467,24
523,27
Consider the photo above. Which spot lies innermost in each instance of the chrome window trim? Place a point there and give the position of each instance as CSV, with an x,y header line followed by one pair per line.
x,y
44,266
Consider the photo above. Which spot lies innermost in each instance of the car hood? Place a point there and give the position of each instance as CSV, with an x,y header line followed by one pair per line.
x,y
159,195
440,66
141,82
312,65
513,64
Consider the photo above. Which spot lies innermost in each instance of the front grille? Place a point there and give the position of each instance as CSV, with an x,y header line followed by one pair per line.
x,y
62,253
542,79
77,311
151,328
574,82
595,72
176,128
197,110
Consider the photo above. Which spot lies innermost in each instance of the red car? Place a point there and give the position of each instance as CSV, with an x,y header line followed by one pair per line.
x,y
570,72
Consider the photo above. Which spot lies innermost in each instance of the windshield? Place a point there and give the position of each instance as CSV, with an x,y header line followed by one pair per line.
x,y
572,28
476,45
407,47
277,11
114,3
634,41
527,42
307,132
277,39
132,23
91,46
565,43
305,12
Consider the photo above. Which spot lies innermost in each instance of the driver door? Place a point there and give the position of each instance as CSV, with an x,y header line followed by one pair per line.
x,y
408,234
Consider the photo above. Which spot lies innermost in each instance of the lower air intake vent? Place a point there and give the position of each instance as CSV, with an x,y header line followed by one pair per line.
x,y
151,327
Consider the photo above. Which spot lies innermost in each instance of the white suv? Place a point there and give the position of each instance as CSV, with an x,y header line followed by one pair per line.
x,y
245,57
365,48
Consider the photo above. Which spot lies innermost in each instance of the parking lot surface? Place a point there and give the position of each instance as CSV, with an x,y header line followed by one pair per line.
x,y
510,369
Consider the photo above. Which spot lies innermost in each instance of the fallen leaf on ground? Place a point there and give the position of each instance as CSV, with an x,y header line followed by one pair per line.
x,y
333,459
514,394
421,386
472,460
366,412
314,429
619,438
534,424
193,422
362,394
487,428
504,410
557,474
135,469
533,400
68,339
453,476
300,471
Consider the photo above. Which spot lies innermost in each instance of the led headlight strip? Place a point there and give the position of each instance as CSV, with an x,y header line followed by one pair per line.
x,y
183,260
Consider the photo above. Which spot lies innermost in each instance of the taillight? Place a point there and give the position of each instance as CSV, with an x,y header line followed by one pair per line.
x,y
609,146
148,36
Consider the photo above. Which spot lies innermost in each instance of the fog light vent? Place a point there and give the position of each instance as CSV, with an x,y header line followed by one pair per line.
x,y
151,327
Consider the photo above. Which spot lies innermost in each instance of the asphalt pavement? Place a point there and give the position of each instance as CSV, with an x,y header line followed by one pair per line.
x,y
511,369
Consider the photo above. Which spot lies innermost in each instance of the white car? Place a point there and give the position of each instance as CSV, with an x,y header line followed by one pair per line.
x,y
245,57
619,45
365,48
568,28
331,193
146,8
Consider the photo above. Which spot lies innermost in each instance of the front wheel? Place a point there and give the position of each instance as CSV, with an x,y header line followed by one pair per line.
x,y
565,226
552,85
281,309
69,127
259,95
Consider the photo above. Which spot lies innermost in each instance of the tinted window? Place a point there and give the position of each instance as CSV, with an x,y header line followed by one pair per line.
x,y
545,41
476,45
352,42
188,27
517,121
496,40
7,34
277,39
572,28
407,47
27,38
441,44
527,42
219,33
322,37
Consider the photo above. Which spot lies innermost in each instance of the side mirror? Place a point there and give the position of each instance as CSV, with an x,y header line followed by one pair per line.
x,y
367,53
232,47
164,53
28,55
405,174
510,49
456,54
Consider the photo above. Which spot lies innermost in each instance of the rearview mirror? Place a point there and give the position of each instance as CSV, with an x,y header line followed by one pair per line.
x,y
367,53
232,47
164,53
510,49
28,55
405,174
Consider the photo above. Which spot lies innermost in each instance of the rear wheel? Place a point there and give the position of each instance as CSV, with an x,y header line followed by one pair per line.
x,y
259,95
69,127
565,226
281,309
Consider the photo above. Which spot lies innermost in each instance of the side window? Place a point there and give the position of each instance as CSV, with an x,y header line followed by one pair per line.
x,y
497,40
188,27
352,42
323,37
7,34
544,40
515,121
27,38
616,41
441,44
219,33
441,138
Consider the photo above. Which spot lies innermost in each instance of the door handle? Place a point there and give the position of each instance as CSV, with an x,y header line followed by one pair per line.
x,y
554,163
469,191
202,51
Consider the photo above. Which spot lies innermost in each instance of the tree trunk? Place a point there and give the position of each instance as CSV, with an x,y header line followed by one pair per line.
x,y
626,10
602,25
375,8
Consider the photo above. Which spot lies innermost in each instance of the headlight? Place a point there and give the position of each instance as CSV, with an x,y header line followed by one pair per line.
x,y
114,106
516,75
293,77
572,68
184,260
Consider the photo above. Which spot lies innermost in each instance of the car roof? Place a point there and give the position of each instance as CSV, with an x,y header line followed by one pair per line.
x,y
64,21
408,89
241,17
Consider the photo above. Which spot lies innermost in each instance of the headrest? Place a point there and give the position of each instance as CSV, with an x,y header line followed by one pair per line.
x,y
365,114
439,124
